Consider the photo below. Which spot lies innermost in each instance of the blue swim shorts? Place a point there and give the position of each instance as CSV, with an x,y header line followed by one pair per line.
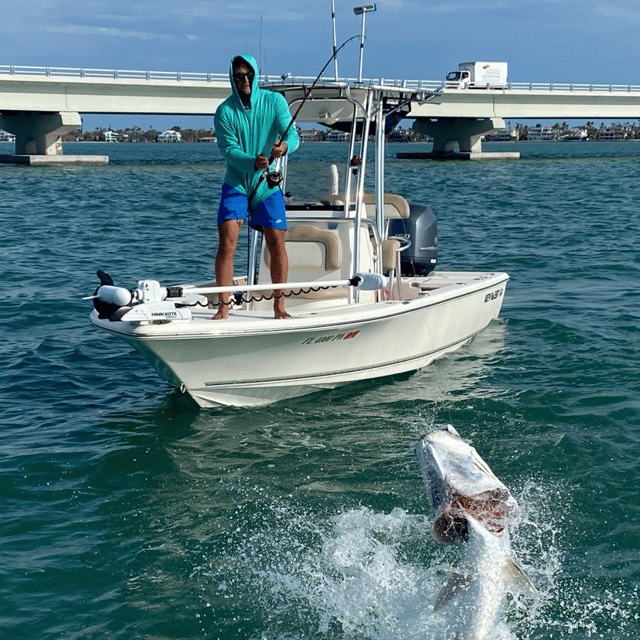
x,y
270,213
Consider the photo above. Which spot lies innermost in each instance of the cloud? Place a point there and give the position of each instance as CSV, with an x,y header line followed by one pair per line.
x,y
214,10
80,30
467,7
268,10
411,7
622,13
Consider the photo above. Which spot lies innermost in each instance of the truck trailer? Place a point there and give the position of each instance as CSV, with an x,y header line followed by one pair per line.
x,y
478,75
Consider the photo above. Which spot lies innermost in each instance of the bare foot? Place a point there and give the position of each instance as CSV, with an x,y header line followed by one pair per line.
x,y
222,313
281,314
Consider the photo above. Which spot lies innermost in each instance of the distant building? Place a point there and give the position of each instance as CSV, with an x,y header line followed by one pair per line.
x,y
502,135
111,136
309,135
170,136
401,135
615,132
337,136
539,134
5,136
576,134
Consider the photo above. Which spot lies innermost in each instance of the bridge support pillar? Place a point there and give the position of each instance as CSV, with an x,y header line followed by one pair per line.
x,y
457,137
38,137
39,133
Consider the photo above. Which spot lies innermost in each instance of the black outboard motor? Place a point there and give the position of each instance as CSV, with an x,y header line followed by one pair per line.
x,y
421,230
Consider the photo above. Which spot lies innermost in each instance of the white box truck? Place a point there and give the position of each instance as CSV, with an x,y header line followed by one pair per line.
x,y
478,75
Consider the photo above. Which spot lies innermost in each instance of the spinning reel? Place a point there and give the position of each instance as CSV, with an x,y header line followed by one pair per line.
x,y
274,178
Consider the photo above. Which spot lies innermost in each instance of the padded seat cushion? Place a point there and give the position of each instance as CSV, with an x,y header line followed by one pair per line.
x,y
308,233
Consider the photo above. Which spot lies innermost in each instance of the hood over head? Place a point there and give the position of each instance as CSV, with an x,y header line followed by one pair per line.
x,y
251,62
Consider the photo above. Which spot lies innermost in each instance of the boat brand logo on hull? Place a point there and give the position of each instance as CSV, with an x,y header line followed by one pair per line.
x,y
332,338
493,295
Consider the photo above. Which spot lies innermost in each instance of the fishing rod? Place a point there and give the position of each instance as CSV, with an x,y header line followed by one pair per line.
x,y
274,178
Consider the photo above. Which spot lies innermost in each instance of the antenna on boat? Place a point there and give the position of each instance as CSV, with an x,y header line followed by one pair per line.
x,y
362,11
261,68
335,42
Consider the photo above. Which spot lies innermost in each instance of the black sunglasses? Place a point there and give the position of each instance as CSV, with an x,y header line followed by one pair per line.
x,y
239,77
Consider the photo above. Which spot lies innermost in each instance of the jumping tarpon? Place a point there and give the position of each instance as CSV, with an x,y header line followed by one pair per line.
x,y
471,507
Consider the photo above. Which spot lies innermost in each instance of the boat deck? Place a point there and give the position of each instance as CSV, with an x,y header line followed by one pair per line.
x,y
417,292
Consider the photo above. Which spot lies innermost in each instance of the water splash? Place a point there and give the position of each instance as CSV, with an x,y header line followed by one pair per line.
x,y
569,605
360,581
365,574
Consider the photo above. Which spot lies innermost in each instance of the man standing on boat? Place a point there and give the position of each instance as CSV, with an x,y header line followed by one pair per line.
x,y
248,127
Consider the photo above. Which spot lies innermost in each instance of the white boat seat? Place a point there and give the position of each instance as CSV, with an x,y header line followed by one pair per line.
x,y
309,247
390,249
395,205
313,254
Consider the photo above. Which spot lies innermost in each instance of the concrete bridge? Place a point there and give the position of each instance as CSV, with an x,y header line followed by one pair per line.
x,y
461,117
40,104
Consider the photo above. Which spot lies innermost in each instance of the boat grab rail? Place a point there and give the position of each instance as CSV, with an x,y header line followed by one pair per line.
x,y
149,292
318,206
362,281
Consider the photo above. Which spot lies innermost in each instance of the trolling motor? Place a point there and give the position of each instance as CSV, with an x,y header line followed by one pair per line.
x,y
105,308
148,302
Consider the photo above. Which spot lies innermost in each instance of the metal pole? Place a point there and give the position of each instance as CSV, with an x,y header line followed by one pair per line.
x,y
252,256
360,187
363,10
335,42
380,145
350,167
247,288
364,15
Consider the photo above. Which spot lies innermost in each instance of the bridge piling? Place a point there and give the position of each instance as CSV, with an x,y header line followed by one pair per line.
x,y
465,133
38,137
39,133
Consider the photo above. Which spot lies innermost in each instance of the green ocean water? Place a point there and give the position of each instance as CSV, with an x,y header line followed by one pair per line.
x,y
130,513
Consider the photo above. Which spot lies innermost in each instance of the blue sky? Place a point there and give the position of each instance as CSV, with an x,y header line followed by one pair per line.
x,y
580,41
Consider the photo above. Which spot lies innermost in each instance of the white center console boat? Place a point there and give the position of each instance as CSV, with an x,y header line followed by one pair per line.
x,y
364,302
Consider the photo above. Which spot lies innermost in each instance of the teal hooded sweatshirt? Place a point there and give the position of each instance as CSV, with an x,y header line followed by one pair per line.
x,y
244,132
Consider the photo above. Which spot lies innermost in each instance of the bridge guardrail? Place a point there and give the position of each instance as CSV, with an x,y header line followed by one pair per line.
x,y
126,74
563,86
429,85
437,85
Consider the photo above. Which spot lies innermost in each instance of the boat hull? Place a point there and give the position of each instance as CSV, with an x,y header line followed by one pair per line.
x,y
252,362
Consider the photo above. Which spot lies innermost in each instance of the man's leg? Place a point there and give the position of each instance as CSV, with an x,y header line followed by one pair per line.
x,y
228,233
274,239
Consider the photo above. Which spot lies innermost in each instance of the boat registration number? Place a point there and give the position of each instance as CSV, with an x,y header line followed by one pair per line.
x,y
331,338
